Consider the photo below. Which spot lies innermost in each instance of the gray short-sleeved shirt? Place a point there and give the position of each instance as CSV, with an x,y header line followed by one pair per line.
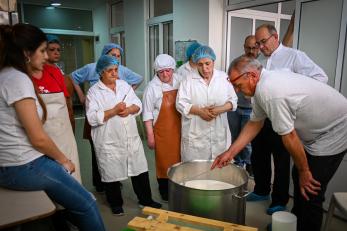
x,y
15,147
317,111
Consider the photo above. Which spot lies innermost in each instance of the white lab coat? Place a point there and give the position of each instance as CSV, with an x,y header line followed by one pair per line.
x,y
203,140
118,146
185,70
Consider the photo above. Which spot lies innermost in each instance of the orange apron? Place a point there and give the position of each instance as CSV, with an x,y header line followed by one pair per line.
x,y
167,135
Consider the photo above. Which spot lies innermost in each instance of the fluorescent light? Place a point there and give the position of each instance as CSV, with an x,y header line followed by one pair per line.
x,y
55,3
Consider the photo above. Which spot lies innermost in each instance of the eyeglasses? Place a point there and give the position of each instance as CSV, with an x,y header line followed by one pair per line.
x,y
263,41
256,47
239,76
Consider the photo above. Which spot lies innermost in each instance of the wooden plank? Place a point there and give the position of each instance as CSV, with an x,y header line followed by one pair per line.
x,y
162,217
143,224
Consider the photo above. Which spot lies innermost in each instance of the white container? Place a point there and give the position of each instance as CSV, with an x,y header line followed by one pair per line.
x,y
283,221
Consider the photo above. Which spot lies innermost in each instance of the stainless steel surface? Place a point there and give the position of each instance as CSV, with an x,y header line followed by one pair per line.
x,y
227,205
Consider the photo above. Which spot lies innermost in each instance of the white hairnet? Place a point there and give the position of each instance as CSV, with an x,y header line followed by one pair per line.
x,y
164,61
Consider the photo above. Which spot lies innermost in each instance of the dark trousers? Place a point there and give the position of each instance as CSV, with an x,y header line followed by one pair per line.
x,y
268,142
95,170
141,188
163,184
310,213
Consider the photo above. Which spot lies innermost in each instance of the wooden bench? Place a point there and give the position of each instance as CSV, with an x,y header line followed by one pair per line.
x,y
17,207
166,220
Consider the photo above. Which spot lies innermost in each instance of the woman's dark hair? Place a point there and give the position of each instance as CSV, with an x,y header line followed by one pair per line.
x,y
14,42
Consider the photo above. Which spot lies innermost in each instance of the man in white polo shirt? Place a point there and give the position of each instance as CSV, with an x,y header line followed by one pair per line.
x,y
311,119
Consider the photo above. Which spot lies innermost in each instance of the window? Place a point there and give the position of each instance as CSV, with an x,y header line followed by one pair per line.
x,y
160,30
167,38
159,7
242,23
117,27
117,18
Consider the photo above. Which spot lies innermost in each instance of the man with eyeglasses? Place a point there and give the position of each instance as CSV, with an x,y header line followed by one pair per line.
x,y
315,135
237,119
251,47
88,74
282,57
267,141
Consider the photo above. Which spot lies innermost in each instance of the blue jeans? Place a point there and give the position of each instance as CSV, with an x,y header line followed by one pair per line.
x,y
237,119
45,174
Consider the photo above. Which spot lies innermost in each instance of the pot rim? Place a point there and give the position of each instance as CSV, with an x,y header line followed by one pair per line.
x,y
237,188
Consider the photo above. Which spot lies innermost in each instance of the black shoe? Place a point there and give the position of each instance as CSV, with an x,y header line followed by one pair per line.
x,y
153,204
117,211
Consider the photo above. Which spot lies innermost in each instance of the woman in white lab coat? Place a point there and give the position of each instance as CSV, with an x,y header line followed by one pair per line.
x,y
162,120
203,100
112,106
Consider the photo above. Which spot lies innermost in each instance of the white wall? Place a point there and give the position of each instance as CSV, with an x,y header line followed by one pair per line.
x,y
216,35
201,20
135,39
190,20
100,27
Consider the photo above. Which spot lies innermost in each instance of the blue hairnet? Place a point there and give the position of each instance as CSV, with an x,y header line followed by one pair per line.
x,y
110,46
190,50
203,52
52,38
104,62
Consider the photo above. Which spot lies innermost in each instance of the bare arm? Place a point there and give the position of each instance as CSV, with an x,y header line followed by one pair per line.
x,y
288,37
114,111
249,131
79,91
133,109
221,109
294,146
135,86
150,134
27,114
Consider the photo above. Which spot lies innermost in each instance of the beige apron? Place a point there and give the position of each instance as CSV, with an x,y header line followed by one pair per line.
x,y
167,135
58,127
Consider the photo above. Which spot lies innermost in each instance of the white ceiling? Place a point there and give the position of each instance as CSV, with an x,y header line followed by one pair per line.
x,y
76,4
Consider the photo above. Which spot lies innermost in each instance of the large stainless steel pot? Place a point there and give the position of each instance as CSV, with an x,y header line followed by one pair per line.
x,y
227,205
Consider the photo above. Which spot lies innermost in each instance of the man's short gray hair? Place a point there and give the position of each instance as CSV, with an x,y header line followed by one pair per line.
x,y
244,64
270,28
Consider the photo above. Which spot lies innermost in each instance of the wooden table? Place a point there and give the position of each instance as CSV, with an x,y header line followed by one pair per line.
x,y
17,207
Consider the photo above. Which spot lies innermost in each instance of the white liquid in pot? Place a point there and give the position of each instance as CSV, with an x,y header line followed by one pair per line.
x,y
208,184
